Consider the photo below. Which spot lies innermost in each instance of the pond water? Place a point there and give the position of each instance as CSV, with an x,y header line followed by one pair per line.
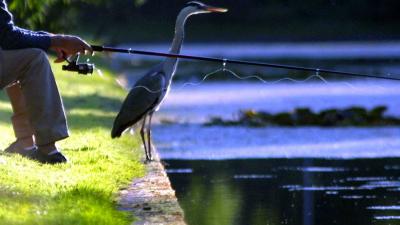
x,y
288,191
281,175
190,106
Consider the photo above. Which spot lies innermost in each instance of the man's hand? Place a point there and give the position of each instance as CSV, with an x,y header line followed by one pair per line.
x,y
67,45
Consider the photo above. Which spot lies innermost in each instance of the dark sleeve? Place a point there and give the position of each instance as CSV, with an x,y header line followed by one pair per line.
x,y
13,37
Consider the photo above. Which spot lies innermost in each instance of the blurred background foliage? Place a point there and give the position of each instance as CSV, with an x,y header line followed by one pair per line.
x,y
262,20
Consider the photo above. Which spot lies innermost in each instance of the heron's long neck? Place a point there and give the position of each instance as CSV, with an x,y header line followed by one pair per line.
x,y
171,63
179,33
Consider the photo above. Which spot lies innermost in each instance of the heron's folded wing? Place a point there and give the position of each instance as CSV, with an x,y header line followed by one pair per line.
x,y
141,100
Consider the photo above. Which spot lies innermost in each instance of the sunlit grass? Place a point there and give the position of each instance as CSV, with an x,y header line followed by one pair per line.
x,y
84,191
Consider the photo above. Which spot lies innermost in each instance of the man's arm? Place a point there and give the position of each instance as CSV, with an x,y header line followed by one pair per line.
x,y
13,37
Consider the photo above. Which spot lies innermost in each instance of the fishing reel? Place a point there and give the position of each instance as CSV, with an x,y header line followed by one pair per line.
x,y
75,66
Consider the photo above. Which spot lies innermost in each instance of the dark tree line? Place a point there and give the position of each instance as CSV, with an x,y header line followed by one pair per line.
x,y
261,19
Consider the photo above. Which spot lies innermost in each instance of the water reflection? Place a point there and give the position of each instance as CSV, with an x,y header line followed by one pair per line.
x,y
211,202
288,191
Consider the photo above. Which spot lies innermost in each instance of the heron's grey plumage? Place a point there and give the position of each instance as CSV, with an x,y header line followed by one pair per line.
x,y
142,99
148,92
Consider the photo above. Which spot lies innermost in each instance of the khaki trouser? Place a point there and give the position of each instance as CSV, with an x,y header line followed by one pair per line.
x,y
38,109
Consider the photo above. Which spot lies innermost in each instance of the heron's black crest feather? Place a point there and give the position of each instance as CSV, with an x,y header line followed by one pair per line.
x,y
195,3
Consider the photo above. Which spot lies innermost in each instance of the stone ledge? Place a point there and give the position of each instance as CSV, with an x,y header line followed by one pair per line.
x,y
151,199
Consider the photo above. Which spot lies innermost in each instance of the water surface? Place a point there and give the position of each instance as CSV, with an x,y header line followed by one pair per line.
x,y
281,175
192,105
288,191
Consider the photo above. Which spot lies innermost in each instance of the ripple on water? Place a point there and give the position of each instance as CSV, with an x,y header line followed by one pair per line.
x,y
318,188
352,197
387,217
380,184
253,176
183,170
358,196
391,167
361,179
382,207
394,189
315,169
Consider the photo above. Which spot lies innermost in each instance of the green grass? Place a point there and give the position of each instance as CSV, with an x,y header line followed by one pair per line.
x,y
84,191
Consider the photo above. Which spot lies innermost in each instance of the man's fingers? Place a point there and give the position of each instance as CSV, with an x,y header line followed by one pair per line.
x,y
80,51
70,45
60,56
84,49
87,48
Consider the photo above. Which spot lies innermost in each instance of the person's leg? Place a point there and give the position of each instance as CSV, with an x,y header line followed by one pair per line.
x,y
43,102
21,125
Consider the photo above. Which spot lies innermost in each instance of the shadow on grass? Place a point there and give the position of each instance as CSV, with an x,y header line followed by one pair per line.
x,y
93,101
102,111
90,121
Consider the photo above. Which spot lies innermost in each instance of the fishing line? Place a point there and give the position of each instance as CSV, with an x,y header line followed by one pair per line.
x,y
224,68
124,86
149,90
298,81
259,78
224,61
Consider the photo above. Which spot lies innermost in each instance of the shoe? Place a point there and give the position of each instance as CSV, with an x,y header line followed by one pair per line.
x,y
17,148
45,158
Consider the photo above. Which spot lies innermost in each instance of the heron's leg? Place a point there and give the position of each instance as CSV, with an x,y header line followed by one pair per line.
x,y
149,146
142,135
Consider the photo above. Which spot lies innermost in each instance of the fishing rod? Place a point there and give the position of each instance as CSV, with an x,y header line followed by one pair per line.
x,y
83,68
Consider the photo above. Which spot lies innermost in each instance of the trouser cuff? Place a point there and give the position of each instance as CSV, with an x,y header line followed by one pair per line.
x,y
52,136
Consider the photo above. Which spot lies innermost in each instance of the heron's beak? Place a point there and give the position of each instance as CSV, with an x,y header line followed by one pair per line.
x,y
215,9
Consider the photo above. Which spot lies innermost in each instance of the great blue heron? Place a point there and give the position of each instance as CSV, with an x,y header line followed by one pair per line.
x,y
148,92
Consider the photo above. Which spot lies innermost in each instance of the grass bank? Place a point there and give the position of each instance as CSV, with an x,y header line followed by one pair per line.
x,y
84,191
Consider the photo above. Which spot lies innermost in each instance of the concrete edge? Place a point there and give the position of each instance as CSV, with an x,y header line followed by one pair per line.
x,y
151,198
